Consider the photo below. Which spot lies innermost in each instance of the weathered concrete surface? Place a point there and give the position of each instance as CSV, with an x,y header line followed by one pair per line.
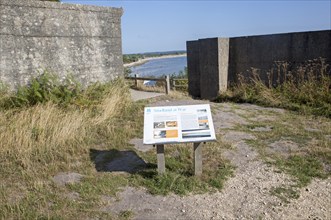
x,y
208,61
193,68
261,52
84,41
218,61
223,63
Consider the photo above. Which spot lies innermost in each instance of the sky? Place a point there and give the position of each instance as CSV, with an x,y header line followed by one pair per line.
x,y
166,25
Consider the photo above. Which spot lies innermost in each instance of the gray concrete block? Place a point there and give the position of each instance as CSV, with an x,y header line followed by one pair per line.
x,y
219,61
84,41
209,68
193,68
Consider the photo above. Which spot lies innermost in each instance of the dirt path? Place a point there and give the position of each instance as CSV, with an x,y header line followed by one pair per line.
x,y
246,195
139,95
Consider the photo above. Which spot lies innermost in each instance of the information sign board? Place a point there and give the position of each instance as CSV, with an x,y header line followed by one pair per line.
x,y
178,124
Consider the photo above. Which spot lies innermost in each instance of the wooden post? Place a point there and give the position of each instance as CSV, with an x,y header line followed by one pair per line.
x,y
174,84
197,148
135,80
167,86
160,158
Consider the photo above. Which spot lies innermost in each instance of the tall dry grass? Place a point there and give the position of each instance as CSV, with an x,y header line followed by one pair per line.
x,y
47,133
306,88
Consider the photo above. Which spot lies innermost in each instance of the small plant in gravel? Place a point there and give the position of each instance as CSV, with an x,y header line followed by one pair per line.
x,y
128,214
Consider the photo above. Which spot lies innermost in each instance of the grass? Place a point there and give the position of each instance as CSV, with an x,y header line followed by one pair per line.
x,y
43,136
128,214
305,89
179,177
303,168
302,153
285,193
50,127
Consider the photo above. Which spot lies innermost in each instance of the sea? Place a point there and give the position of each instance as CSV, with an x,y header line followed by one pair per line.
x,y
160,67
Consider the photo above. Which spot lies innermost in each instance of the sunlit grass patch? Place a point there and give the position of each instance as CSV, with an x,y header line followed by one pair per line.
x,y
44,136
303,168
297,145
179,177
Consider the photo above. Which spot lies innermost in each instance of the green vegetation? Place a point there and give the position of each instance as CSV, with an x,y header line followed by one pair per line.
x,y
126,214
307,89
45,88
285,193
130,58
180,81
298,145
179,177
303,168
49,127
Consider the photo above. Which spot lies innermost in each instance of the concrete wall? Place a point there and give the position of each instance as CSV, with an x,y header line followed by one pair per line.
x,y
219,64
84,41
207,66
208,60
193,65
261,52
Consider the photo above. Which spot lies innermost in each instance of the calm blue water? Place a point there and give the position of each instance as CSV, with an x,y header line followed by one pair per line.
x,y
159,67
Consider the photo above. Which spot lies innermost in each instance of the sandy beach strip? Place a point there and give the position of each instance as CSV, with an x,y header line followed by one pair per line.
x,y
142,61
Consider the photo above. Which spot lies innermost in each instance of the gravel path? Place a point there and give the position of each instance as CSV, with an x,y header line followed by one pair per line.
x,y
139,95
246,195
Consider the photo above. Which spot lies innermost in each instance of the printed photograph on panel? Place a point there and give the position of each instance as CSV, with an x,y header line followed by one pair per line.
x,y
171,124
172,134
159,134
203,122
159,124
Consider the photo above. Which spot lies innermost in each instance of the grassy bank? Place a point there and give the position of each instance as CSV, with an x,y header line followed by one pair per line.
x,y
52,127
301,152
306,89
47,128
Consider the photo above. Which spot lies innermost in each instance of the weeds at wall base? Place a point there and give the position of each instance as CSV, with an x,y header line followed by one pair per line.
x,y
306,90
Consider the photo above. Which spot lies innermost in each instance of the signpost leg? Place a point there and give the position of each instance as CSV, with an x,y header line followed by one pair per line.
x,y
197,148
167,85
135,80
160,158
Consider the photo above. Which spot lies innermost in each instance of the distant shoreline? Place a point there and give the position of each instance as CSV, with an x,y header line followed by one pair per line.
x,y
142,61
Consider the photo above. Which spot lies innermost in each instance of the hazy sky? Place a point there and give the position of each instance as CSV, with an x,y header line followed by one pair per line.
x,y
149,26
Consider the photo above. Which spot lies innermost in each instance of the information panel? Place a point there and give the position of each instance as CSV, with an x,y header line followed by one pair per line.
x,y
178,124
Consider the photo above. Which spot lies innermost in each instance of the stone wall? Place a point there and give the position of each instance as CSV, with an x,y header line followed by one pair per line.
x,y
84,41
221,60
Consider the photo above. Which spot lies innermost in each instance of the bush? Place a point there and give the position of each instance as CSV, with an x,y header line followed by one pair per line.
x,y
44,88
48,88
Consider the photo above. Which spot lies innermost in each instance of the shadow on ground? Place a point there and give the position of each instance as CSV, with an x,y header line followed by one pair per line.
x,y
117,161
